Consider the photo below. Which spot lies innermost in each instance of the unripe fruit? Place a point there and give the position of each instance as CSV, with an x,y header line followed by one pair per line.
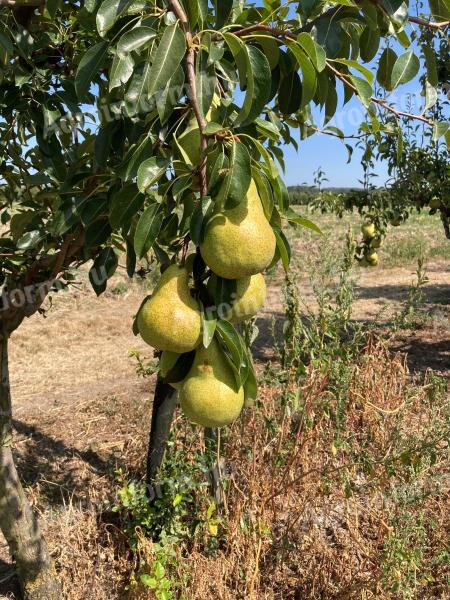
x,y
368,231
435,203
372,259
208,396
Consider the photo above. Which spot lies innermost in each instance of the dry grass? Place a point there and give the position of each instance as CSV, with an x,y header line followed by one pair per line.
x,y
310,512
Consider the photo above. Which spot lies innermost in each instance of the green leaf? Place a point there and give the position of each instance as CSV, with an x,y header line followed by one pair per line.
x,y
198,220
134,39
238,49
150,171
111,10
385,66
131,258
259,78
91,63
315,52
264,191
353,64
283,248
440,129
206,82
430,62
363,89
290,93
121,71
125,204
30,239
293,217
137,97
232,342
235,187
104,267
431,95
168,98
5,43
209,323
135,157
167,58
440,9
250,387
222,9
405,68
309,78
369,43
148,228
97,233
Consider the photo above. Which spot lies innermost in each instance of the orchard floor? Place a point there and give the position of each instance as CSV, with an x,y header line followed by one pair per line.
x,y
81,410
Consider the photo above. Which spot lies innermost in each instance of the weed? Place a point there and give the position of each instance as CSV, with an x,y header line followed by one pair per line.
x,y
410,316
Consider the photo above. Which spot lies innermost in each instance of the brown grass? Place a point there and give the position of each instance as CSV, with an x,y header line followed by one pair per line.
x,y
308,514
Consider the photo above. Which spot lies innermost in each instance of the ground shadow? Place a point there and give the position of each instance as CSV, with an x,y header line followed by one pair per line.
x,y
60,469
433,294
424,354
9,585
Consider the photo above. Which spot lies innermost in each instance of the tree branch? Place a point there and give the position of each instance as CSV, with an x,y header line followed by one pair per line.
x,y
430,24
192,93
380,101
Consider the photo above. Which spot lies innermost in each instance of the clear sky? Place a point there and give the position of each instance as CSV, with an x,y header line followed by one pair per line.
x,y
330,153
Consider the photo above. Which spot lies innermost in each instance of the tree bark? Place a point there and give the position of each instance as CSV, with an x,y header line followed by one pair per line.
x,y
164,404
34,567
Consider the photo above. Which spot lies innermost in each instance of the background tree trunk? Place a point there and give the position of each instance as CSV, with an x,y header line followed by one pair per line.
x,y
35,568
164,404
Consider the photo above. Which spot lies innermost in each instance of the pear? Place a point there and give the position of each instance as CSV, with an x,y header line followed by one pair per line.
x,y
368,230
239,242
250,297
171,320
372,259
208,396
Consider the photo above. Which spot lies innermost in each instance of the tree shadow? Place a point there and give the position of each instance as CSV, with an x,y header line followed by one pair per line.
x,y
63,472
424,354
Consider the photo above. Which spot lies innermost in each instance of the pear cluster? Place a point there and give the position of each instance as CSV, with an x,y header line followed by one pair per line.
x,y
367,254
238,244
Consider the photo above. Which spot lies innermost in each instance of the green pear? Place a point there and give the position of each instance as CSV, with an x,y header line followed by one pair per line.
x,y
239,242
208,396
372,259
171,320
251,293
435,203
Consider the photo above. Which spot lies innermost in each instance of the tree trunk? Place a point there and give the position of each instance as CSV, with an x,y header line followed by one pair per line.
x,y
164,404
34,567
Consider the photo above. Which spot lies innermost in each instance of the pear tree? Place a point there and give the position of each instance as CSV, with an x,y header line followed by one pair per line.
x,y
151,132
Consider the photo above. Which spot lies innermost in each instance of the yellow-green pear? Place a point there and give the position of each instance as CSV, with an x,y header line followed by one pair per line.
x,y
372,259
368,230
166,363
171,320
239,242
435,203
208,396
251,293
